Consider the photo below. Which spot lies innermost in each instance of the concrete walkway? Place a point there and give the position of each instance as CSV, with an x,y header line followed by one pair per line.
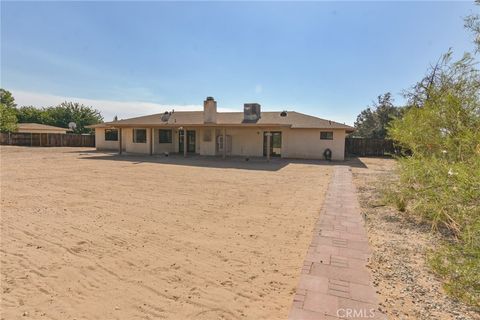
x,y
335,282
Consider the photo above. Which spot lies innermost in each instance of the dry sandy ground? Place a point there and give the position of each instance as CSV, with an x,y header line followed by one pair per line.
x,y
407,288
89,236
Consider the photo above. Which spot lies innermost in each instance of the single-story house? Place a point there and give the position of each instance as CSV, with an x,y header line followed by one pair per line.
x,y
39,128
250,133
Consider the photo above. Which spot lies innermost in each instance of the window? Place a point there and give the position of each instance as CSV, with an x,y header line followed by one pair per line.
x,y
111,135
165,136
140,135
326,135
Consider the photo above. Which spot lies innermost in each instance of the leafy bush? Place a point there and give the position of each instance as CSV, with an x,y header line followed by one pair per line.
x,y
62,115
8,119
373,121
59,116
440,180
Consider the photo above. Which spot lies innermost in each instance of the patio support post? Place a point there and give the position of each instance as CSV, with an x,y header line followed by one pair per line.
x,y
269,134
184,142
119,140
151,141
224,143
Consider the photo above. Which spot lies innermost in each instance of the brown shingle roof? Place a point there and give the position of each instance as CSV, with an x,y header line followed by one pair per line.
x,y
195,118
38,126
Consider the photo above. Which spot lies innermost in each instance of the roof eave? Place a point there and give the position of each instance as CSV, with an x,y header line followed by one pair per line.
x,y
176,125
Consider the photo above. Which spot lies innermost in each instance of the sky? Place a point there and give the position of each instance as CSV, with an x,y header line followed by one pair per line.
x,y
328,59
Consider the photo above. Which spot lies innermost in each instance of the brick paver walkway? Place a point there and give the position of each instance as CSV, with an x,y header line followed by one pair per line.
x,y
335,282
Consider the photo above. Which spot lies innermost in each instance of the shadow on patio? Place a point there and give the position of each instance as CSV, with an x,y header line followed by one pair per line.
x,y
254,163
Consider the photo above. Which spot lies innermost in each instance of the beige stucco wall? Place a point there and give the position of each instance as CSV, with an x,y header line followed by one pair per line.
x,y
206,148
245,141
159,148
306,144
127,142
296,143
132,147
100,142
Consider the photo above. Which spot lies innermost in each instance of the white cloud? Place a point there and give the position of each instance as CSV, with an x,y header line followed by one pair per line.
x,y
108,108
128,109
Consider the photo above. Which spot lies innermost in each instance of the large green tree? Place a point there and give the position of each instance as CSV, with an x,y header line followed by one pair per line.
x,y
62,115
30,114
7,99
373,121
67,112
472,22
8,118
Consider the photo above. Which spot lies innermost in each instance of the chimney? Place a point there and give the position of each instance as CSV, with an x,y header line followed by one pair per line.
x,y
210,110
251,112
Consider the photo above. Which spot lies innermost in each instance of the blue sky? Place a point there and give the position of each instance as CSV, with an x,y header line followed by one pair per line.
x,y
130,58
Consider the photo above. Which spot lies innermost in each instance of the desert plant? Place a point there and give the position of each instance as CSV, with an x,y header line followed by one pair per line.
x,y
440,180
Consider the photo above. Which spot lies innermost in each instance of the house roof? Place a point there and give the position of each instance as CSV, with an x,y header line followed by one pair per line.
x,y
39,126
195,118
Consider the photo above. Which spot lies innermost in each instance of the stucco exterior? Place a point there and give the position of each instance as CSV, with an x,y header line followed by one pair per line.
x,y
306,144
101,143
251,133
247,142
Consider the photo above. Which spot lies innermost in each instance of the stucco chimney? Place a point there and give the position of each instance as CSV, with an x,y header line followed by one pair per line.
x,y
210,110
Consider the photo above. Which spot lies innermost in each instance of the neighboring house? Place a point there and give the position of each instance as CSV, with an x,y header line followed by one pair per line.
x,y
39,128
250,133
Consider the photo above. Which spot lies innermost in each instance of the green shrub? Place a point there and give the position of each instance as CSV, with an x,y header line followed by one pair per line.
x,y
440,179
8,119
457,263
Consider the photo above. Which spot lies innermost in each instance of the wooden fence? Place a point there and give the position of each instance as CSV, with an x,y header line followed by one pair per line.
x,y
370,147
47,139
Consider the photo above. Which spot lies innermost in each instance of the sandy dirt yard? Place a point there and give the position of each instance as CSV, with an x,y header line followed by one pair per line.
x,y
87,235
